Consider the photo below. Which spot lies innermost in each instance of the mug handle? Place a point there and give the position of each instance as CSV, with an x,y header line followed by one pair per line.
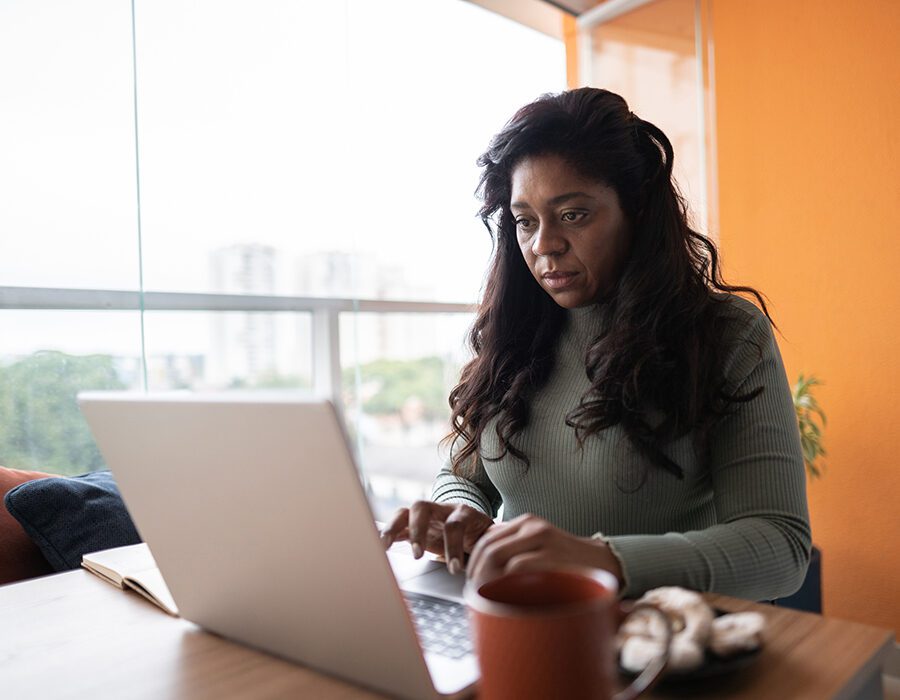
x,y
650,675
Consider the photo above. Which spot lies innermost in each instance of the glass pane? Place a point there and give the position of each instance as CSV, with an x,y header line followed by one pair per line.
x,y
47,357
398,372
338,137
67,212
649,57
211,351
439,78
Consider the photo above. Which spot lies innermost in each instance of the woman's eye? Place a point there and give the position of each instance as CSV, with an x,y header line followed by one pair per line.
x,y
573,216
523,223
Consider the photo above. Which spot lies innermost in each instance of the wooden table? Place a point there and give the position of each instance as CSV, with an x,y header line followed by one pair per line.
x,y
73,636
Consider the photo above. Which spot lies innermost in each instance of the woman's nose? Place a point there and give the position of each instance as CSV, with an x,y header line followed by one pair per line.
x,y
548,241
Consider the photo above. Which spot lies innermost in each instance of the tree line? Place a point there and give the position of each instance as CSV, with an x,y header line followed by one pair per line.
x,y
41,426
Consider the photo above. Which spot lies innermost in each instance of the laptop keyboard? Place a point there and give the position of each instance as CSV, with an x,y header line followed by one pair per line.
x,y
442,625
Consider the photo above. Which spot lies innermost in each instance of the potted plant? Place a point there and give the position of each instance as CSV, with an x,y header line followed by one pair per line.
x,y
807,408
811,422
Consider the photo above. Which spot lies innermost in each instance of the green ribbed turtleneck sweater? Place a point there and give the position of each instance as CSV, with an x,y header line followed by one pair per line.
x,y
738,526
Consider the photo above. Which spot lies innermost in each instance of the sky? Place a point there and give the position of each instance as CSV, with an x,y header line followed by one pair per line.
x,y
305,126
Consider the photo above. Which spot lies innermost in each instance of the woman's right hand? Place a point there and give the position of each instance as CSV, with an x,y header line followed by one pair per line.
x,y
446,529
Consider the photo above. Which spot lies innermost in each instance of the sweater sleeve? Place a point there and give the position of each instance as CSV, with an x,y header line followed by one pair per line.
x,y
759,549
477,491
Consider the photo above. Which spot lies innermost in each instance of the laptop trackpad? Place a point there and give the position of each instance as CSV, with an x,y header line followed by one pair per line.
x,y
405,566
425,575
439,583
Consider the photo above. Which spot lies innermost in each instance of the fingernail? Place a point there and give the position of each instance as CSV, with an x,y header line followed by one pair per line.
x,y
417,550
455,566
386,539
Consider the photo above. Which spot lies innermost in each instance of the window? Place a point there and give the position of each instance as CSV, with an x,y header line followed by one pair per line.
x,y
655,57
304,220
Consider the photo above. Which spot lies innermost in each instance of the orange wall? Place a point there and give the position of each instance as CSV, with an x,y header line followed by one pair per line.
x,y
808,128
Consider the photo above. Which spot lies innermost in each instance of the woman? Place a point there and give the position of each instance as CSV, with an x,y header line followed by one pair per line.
x,y
623,405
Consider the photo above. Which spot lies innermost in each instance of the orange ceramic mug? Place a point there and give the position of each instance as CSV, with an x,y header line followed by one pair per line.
x,y
549,634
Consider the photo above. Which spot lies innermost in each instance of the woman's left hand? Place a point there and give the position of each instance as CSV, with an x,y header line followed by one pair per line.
x,y
530,543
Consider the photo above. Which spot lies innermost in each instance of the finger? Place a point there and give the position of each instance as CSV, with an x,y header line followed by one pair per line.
x,y
402,535
489,539
475,531
421,514
476,525
397,525
527,536
434,540
454,535
499,531
521,563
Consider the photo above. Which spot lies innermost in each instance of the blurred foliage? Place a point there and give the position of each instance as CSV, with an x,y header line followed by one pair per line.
x,y
387,386
41,426
272,380
808,411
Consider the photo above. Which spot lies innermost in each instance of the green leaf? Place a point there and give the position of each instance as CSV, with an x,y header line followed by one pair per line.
x,y
808,409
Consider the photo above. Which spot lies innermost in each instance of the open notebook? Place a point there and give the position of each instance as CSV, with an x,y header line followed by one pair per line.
x,y
132,567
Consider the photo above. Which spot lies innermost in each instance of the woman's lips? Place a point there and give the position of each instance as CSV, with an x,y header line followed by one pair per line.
x,y
559,280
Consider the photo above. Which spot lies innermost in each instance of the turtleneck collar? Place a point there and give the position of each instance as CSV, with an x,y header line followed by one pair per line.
x,y
586,311
586,322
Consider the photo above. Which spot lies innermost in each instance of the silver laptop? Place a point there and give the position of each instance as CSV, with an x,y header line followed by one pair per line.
x,y
255,513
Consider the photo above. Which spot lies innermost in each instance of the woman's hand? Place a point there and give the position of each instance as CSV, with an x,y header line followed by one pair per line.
x,y
530,543
447,529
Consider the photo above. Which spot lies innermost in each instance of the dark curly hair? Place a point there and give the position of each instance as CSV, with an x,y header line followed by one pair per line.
x,y
664,347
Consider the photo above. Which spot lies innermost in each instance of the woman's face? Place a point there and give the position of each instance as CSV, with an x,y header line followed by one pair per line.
x,y
571,231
